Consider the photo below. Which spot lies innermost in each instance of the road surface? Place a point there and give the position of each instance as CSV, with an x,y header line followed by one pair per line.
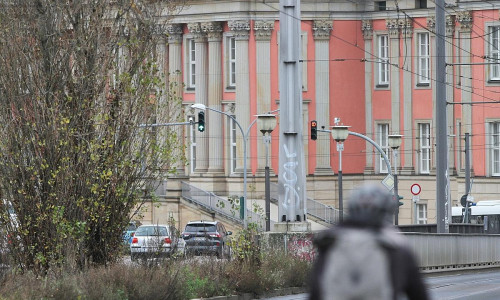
x,y
476,285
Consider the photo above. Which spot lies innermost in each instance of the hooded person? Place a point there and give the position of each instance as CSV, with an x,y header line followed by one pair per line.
x,y
365,257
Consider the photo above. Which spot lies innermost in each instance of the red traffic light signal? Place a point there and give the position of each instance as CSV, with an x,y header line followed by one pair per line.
x,y
314,130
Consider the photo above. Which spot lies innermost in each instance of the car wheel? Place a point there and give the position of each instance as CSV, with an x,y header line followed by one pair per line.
x,y
133,257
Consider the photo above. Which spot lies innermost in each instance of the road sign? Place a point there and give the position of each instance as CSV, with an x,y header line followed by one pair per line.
x,y
415,189
388,182
415,198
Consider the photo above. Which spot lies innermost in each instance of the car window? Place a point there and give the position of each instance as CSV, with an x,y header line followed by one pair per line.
x,y
200,227
151,230
131,227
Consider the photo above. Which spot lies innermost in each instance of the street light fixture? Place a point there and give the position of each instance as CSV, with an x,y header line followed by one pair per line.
x,y
266,124
339,134
395,142
201,106
204,107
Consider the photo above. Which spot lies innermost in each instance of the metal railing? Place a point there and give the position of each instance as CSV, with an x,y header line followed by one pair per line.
x,y
220,205
314,208
323,212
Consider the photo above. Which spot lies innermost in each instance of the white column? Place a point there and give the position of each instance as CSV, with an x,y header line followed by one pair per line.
x,y
465,20
393,28
367,28
241,30
201,92
450,32
431,24
263,30
214,120
321,34
175,87
406,155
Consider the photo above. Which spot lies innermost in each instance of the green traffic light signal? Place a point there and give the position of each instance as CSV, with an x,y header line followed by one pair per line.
x,y
201,121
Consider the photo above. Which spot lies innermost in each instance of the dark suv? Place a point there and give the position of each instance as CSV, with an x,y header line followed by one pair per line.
x,y
207,237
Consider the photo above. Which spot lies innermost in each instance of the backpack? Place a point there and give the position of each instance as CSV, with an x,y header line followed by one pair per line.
x,y
356,268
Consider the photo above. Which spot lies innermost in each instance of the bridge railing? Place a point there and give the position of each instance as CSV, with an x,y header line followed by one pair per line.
x,y
220,205
314,208
455,251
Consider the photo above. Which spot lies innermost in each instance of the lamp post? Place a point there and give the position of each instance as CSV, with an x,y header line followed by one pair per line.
x,y
245,139
204,107
395,142
339,134
266,124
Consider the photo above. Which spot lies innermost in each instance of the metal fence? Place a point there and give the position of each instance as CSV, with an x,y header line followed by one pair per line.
x,y
323,212
221,205
314,208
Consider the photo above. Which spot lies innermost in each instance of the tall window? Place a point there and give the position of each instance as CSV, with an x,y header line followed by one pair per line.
x,y
383,141
421,213
420,3
232,142
425,147
192,136
423,58
495,148
380,5
191,64
494,52
231,55
383,56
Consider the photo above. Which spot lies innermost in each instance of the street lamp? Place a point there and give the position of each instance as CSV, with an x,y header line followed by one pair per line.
x,y
395,142
204,107
339,134
266,124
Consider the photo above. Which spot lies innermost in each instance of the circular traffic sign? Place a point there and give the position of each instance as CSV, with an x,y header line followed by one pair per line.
x,y
415,189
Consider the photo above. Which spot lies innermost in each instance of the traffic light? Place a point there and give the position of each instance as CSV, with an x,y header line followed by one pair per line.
x,y
201,121
314,130
399,199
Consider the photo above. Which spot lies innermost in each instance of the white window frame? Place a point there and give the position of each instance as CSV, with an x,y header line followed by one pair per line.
x,y
424,141
421,213
495,148
231,61
494,52
232,144
189,63
383,142
383,75
192,144
424,58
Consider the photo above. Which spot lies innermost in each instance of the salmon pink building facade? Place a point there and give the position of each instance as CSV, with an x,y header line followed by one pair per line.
x,y
371,64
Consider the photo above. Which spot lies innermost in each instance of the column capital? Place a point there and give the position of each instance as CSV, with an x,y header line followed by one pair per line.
x,y
240,28
367,28
431,24
174,33
465,20
263,29
450,25
213,30
321,29
198,34
393,28
406,26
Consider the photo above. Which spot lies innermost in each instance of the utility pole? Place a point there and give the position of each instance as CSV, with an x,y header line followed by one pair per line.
x,y
291,177
442,196
467,177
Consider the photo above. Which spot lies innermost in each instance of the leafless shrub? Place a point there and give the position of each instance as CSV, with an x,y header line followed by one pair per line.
x,y
77,79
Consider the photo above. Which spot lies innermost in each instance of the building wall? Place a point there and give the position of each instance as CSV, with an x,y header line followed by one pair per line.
x,y
344,37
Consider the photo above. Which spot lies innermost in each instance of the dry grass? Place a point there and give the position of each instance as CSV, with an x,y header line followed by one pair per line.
x,y
167,279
